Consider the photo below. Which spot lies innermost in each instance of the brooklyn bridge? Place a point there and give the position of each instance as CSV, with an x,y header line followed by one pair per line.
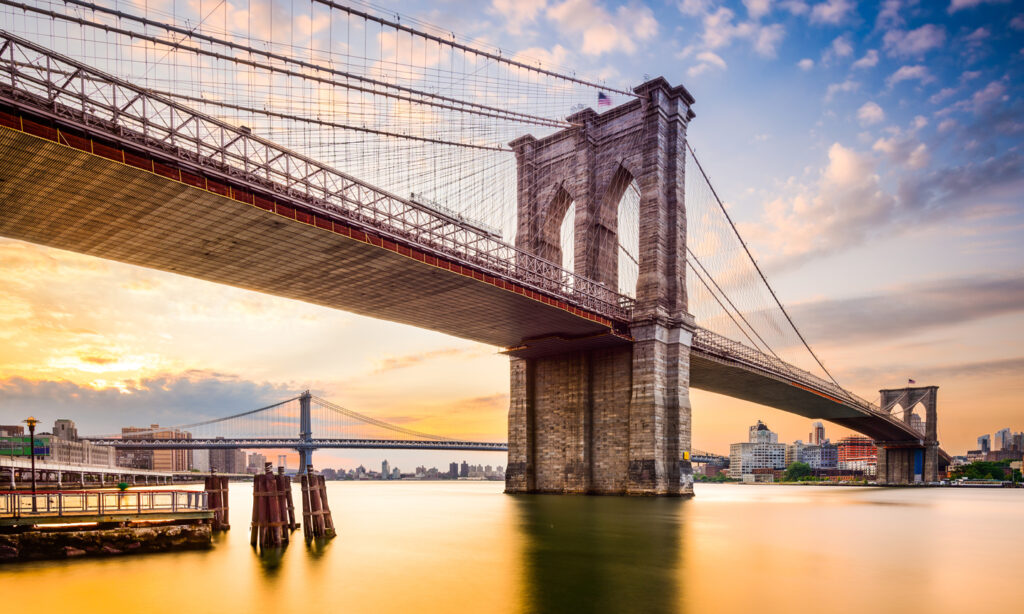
x,y
434,184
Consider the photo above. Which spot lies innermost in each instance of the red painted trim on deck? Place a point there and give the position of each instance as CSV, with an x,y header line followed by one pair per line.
x,y
242,195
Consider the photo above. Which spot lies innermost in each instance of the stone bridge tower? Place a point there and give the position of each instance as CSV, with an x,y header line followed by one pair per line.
x,y
612,418
903,462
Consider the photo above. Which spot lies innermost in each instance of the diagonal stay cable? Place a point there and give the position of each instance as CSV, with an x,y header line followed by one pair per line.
x,y
197,424
758,268
391,427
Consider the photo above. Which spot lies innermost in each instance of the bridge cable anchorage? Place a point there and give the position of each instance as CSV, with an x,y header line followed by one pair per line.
x,y
445,101
758,268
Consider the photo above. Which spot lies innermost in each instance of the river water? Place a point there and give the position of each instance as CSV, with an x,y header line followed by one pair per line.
x,y
465,547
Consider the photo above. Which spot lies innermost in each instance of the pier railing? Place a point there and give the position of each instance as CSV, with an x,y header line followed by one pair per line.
x,y
78,503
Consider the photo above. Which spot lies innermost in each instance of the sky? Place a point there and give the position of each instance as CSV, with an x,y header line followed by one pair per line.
x,y
870,154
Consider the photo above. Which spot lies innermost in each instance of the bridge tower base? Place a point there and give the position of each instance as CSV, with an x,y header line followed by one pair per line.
x,y
910,462
609,421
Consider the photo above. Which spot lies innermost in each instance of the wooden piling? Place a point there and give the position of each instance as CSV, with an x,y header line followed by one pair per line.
x,y
216,488
284,484
316,512
268,525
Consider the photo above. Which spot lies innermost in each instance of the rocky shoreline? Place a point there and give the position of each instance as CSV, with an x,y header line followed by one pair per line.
x,y
42,545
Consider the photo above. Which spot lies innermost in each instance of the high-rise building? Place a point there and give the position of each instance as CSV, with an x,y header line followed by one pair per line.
x,y
385,471
228,460
760,433
817,435
985,443
65,429
396,474
762,451
464,470
1003,439
256,463
453,470
157,460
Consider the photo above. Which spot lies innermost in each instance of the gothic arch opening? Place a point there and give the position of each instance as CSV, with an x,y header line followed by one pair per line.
x,y
625,193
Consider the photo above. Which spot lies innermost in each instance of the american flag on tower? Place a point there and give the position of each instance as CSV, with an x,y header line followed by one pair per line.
x,y
603,100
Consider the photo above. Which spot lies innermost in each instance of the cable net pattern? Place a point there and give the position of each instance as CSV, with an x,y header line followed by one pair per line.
x,y
411,109
282,420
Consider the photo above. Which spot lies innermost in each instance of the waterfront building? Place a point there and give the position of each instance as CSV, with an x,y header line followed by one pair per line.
x,y
62,446
453,470
256,463
157,460
396,474
201,460
464,470
985,443
760,433
228,460
829,455
858,454
11,430
385,471
761,451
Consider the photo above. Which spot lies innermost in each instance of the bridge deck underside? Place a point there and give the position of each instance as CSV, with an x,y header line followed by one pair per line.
x,y
742,382
62,197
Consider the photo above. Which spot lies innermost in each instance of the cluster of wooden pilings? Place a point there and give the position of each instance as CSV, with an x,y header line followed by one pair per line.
x,y
316,511
273,512
216,488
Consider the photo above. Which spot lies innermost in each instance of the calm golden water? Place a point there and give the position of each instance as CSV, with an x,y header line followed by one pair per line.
x,y
465,547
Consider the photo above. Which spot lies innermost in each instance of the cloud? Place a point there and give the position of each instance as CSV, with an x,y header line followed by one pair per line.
x,y
869,60
911,309
601,31
941,95
831,11
756,9
1017,23
694,8
848,205
841,46
910,73
721,29
805,64
392,363
905,151
844,87
957,5
889,15
519,13
707,60
167,399
914,43
870,113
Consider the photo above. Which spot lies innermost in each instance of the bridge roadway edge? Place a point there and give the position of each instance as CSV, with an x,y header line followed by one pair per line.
x,y
499,313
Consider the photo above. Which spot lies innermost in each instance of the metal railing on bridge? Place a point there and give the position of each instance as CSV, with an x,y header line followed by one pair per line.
x,y
70,504
712,343
62,89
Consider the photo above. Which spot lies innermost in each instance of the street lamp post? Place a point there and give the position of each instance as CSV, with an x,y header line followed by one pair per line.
x,y
32,422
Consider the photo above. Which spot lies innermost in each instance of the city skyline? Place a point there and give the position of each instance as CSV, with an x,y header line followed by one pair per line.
x,y
889,154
